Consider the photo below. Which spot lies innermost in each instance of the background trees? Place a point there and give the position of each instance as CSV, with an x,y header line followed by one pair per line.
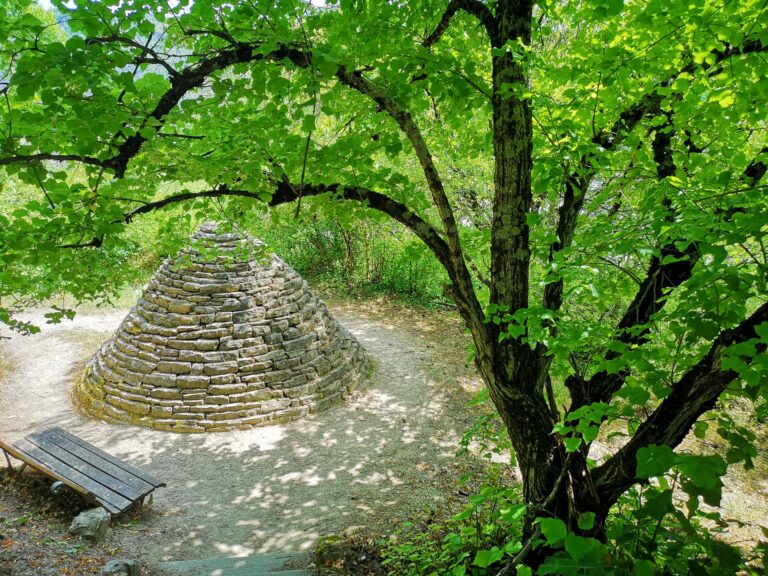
x,y
589,176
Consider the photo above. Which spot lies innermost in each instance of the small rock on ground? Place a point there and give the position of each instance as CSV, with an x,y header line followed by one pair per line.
x,y
91,524
121,567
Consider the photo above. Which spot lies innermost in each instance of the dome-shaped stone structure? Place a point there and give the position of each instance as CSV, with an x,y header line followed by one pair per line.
x,y
225,336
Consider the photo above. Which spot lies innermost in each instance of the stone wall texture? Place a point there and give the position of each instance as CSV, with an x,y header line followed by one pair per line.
x,y
225,336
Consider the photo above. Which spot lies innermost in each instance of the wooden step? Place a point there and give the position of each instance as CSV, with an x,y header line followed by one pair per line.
x,y
277,564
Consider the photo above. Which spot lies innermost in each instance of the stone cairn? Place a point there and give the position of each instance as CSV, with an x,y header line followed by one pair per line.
x,y
225,336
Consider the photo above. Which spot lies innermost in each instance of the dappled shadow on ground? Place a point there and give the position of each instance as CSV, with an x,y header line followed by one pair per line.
x,y
381,456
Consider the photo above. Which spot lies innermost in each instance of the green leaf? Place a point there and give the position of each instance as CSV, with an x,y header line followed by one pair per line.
x,y
485,558
704,471
762,332
656,506
577,546
614,7
572,444
700,430
643,568
308,124
727,100
513,513
553,529
588,431
586,520
654,461
635,395
704,474
532,218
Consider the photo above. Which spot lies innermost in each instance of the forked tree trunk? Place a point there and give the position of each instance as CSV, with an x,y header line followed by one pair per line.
x,y
514,372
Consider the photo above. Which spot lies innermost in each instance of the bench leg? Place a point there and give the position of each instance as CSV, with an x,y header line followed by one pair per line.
x,y
7,459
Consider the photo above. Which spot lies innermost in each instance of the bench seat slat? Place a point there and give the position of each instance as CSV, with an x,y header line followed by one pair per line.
x,y
86,468
109,499
91,448
98,462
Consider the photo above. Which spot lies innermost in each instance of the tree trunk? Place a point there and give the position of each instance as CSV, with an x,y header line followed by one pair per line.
x,y
554,484
513,372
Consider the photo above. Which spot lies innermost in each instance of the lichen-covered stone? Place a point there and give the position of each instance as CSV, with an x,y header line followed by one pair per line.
x,y
226,388
224,337
174,367
159,379
192,381
220,368
166,393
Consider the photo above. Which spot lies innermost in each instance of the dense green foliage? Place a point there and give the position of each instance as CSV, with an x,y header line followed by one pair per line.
x,y
364,258
587,176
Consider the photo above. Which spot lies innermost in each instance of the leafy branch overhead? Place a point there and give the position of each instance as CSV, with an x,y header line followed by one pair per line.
x,y
617,225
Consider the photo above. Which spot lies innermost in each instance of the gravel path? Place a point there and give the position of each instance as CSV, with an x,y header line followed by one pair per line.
x,y
385,454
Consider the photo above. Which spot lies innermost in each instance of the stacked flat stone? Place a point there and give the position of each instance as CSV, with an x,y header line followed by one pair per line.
x,y
224,337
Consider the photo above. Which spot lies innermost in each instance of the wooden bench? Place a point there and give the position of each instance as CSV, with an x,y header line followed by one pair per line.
x,y
90,472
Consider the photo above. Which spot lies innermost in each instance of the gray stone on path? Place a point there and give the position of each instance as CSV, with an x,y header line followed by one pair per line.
x,y
121,567
91,524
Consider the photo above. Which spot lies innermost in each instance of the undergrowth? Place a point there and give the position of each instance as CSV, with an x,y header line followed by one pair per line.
x,y
363,260
661,527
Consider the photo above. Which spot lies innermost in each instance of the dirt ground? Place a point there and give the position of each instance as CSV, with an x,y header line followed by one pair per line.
x,y
382,457
377,459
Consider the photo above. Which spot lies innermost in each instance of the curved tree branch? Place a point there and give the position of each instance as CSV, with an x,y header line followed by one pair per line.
x,y
193,77
154,57
406,123
457,268
28,159
285,192
695,393
94,243
474,7
577,183
183,197
670,269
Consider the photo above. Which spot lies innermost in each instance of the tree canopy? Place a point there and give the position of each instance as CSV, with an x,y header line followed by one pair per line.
x,y
589,174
